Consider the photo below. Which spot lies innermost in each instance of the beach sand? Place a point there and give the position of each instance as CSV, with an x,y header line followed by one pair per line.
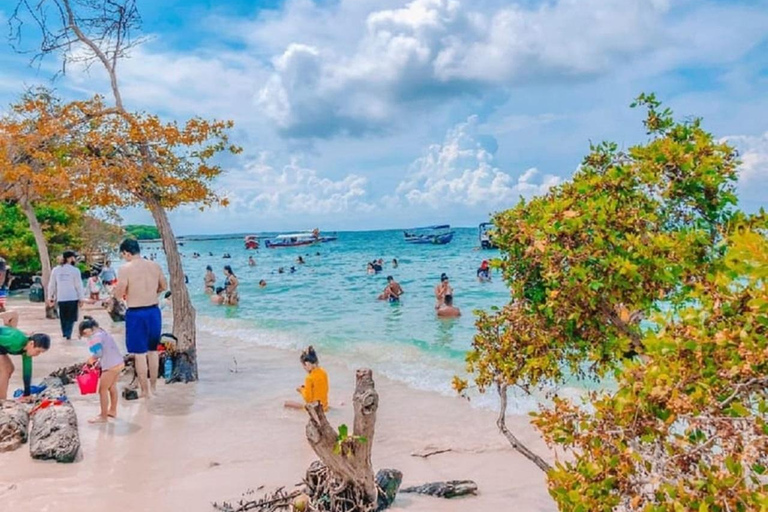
x,y
213,440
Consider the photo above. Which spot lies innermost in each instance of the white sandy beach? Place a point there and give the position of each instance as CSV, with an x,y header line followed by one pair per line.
x,y
215,439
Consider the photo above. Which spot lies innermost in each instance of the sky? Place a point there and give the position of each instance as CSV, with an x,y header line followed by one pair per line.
x,y
363,114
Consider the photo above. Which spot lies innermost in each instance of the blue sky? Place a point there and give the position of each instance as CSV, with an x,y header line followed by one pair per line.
x,y
363,114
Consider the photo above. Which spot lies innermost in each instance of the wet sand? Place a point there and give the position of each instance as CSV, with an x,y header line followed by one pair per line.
x,y
213,440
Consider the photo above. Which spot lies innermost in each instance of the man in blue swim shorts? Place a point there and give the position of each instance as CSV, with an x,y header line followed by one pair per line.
x,y
140,282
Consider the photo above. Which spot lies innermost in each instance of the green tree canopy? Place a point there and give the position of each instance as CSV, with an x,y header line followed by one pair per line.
x,y
62,226
142,232
640,268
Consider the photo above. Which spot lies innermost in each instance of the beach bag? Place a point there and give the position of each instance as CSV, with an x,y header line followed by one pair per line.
x,y
88,380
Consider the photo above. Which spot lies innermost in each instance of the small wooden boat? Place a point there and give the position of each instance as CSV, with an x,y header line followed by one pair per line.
x,y
430,235
251,242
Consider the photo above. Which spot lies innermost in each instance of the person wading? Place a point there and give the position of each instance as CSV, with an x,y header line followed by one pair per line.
x,y
66,288
139,282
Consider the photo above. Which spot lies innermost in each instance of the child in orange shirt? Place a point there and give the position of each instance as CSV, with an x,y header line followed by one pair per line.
x,y
315,388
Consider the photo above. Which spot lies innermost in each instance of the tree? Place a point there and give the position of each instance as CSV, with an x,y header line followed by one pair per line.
x,y
147,162
631,236
42,146
687,429
62,227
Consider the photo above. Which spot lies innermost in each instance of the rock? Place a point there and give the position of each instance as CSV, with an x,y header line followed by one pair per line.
x,y
450,489
14,421
68,374
53,432
389,481
54,388
130,394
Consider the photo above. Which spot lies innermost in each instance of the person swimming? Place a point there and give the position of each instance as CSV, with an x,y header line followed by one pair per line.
x,y
315,388
218,298
262,284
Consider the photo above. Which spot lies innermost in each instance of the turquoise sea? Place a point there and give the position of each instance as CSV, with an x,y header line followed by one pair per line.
x,y
330,302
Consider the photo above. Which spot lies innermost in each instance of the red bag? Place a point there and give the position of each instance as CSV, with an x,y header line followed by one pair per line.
x,y
88,380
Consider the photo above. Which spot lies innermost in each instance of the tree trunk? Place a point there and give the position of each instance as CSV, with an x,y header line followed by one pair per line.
x,y
42,251
350,485
501,422
185,360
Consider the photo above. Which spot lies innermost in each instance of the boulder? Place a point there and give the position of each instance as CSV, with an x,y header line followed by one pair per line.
x,y
14,421
450,489
388,481
53,431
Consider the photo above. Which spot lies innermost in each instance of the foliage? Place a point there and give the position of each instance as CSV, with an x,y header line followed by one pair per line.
x,y
100,236
589,260
142,232
635,269
687,429
46,151
62,226
345,443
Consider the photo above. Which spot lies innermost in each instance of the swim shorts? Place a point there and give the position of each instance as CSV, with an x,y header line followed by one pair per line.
x,y
143,327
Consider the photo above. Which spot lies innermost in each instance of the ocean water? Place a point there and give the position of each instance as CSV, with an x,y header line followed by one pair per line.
x,y
330,302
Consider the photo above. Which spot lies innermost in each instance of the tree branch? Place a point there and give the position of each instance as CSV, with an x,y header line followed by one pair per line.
x,y
501,422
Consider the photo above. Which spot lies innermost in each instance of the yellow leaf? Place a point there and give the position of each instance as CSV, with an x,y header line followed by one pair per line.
x,y
569,214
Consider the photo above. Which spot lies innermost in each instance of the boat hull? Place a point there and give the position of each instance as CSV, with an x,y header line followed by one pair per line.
x,y
440,239
298,243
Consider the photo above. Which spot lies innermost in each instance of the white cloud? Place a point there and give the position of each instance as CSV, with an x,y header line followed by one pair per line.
x,y
461,171
268,191
753,152
428,49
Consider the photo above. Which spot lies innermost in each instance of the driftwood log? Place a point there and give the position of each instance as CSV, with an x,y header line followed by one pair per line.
x,y
14,421
450,489
345,481
53,431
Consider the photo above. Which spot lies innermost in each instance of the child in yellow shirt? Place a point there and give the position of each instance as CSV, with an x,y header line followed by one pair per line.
x,y
315,388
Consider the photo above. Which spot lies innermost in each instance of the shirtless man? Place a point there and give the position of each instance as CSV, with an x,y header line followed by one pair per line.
x,y
447,310
393,291
140,281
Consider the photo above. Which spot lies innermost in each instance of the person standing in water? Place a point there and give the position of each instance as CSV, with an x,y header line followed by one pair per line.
x,y
484,272
393,291
232,297
447,310
16,343
66,288
441,290
251,261
315,388
139,282
209,280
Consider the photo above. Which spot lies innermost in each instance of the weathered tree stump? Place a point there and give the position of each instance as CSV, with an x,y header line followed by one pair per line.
x,y
451,489
346,482
53,431
14,421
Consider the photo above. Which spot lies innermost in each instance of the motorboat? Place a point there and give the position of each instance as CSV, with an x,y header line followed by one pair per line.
x,y
299,239
485,234
431,235
251,242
